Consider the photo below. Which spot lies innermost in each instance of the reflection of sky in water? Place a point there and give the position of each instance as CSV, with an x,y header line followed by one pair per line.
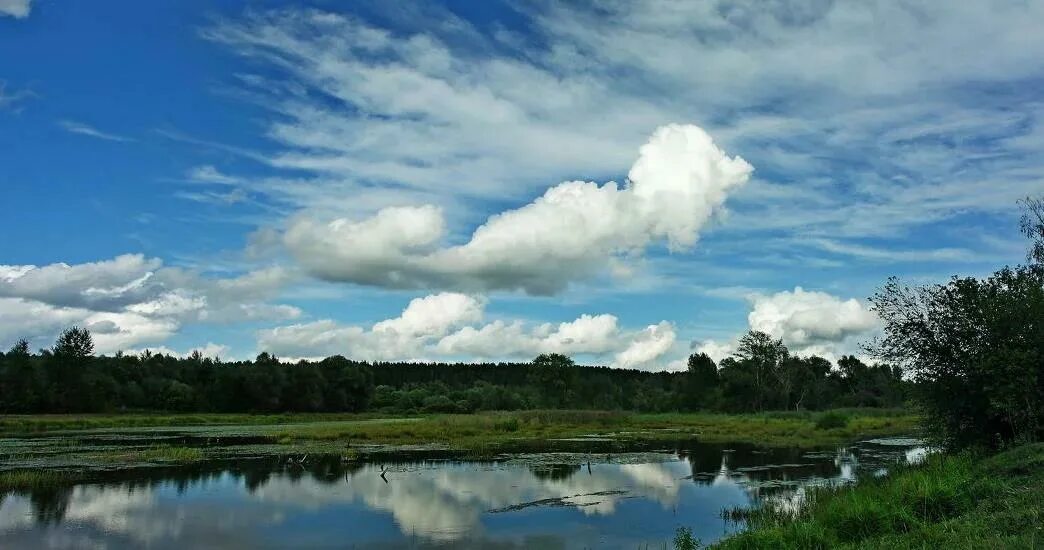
x,y
430,504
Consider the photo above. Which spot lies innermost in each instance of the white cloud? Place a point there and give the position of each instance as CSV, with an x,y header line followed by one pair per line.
x,y
647,346
130,300
803,318
587,334
34,321
571,232
90,131
40,323
403,337
19,9
717,350
123,330
434,315
210,174
808,322
449,325
102,284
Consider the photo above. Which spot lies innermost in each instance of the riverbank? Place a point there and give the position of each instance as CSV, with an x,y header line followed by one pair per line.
x,y
950,501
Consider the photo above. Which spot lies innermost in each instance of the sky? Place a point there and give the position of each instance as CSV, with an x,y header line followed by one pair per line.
x,y
624,182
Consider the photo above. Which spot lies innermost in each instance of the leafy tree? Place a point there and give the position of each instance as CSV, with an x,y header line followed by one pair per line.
x,y
974,347
766,358
74,343
701,381
554,374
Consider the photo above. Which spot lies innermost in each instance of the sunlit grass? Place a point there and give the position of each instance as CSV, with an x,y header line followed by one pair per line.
x,y
948,502
171,454
23,480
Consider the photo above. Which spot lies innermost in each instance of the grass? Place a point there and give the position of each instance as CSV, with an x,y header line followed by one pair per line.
x,y
514,430
950,501
470,435
173,454
25,480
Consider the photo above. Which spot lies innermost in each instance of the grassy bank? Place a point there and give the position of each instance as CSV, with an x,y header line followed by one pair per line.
x,y
958,501
467,431
477,431
99,442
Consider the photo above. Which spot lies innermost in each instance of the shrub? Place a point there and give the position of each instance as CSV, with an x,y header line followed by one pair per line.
x,y
832,420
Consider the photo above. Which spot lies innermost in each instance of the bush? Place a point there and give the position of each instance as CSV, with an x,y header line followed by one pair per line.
x,y
683,539
831,421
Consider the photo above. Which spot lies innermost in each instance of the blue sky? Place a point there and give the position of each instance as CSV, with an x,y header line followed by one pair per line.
x,y
431,181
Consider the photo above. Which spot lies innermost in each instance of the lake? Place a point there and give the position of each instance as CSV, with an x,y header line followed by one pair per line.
x,y
551,500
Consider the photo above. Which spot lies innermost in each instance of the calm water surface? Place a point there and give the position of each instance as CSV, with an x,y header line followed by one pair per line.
x,y
532,501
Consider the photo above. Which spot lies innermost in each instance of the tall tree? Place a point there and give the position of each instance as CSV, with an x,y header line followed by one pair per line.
x,y
766,358
701,381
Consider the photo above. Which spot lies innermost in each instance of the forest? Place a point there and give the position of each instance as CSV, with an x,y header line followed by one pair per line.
x,y
763,375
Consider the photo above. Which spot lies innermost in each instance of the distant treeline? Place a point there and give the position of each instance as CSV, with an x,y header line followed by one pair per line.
x,y
763,375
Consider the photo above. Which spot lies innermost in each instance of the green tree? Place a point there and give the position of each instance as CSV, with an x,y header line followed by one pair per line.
x,y
701,381
976,350
766,359
74,343
555,375
69,360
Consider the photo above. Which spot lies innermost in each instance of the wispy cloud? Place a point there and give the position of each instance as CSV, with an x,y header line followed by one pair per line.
x,y
85,130
10,100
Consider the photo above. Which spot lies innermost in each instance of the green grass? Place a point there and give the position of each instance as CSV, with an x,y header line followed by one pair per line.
x,y
25,480
515,429
959,501
473,435
173,454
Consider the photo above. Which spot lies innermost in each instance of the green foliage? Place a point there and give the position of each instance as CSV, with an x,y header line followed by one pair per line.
x,y
832,421
74,343
684,540
976,350
950,501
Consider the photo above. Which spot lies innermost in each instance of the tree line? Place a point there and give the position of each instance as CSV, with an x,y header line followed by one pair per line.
x,y
68,378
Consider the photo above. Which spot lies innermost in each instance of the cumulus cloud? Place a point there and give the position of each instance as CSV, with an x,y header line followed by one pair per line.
x,y
804,318
433,315
19,9
591,334
809,322
646,346
573,231
450,325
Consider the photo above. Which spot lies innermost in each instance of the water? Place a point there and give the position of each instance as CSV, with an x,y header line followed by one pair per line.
x,y
531,501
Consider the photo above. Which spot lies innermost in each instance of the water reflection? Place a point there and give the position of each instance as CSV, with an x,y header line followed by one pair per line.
x,y
544,501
